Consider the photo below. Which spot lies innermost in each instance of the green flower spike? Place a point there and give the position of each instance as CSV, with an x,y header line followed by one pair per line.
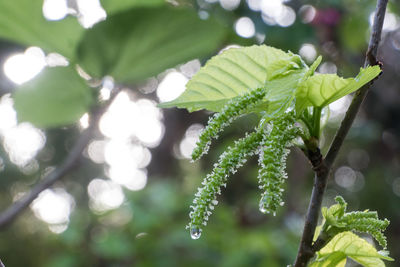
x,y
205,198
272,160
232,110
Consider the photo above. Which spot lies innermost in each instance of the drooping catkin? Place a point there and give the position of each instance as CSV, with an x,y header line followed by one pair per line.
x,y
272,160
232,110
205,198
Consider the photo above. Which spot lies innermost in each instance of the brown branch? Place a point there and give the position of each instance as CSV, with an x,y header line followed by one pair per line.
x,y
322,167
306,252
322,239
370,59
69,164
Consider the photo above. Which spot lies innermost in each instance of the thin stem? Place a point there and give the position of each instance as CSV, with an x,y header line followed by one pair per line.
x,y
68,165
322,167
306,114
307,124
316,122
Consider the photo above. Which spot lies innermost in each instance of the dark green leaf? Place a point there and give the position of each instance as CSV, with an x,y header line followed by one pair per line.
x,y
139,43
114,6
22,21
57,96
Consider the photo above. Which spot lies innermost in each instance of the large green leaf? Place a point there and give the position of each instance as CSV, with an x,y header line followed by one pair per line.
x,y
142,42
57,96
322,89
238,70
114,6
22,21
347,244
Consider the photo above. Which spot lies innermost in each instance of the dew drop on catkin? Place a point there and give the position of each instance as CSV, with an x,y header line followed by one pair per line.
x,y
195,232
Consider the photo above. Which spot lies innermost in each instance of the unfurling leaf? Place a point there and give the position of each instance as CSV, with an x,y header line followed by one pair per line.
x,y
322,89
336,220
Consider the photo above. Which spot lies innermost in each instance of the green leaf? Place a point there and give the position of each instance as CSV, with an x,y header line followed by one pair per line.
x,y
238,70
300,103
115,6
336,220
282,91
347,244
322,89
314,66
57,96
335,259
318,230
332,214
134,45
22,21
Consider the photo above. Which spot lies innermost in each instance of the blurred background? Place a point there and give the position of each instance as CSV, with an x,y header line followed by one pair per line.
x,y
128,202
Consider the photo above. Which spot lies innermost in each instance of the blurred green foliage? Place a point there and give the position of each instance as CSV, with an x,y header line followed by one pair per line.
x,y
148,229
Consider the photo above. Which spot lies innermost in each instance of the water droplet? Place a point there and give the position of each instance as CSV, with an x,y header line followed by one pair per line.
x,y
195,232
263,209
263,205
